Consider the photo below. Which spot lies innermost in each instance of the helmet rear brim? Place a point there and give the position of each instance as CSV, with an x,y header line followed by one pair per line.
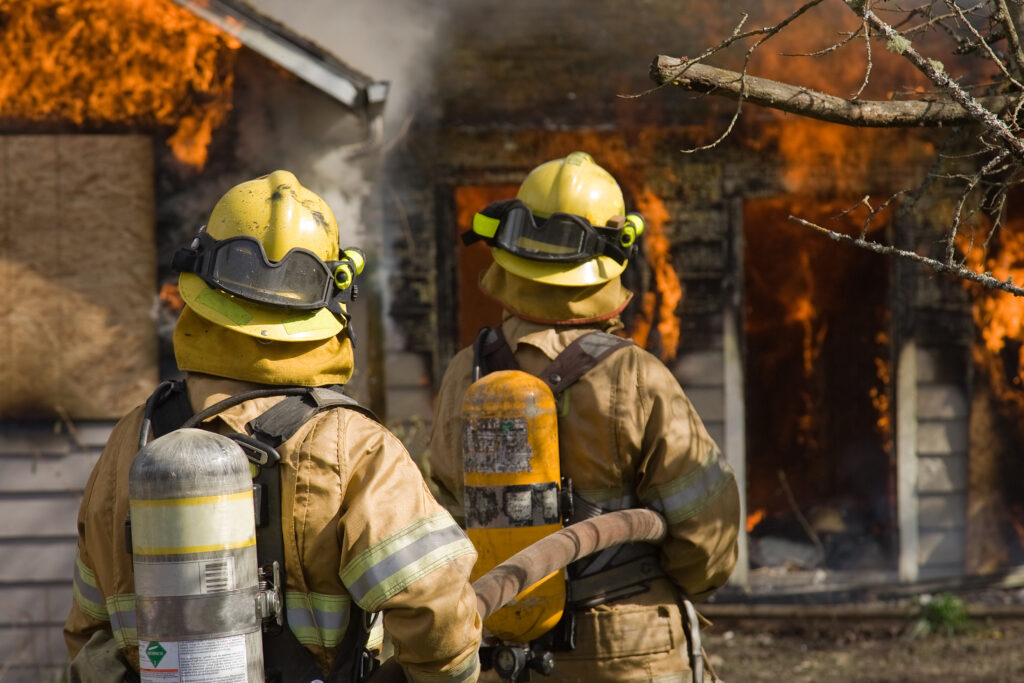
x,y
592,272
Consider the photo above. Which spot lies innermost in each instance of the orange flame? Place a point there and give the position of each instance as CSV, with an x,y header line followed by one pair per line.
x,y
754,518
656,250
999,315
97,63
170,295
1019,530
880,393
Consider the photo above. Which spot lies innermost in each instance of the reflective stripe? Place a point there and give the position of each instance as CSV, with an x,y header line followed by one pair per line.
x,y
609,500
317,618
393,564
687,495
193,525
466,670
375,640
122,619
87,593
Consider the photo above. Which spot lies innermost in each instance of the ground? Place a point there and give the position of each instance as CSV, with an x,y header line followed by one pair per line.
x,y
751,651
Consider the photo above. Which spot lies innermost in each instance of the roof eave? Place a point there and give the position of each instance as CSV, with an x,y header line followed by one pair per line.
x,y
279,44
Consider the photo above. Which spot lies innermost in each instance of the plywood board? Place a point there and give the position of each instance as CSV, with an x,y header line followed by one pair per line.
x,y
77,275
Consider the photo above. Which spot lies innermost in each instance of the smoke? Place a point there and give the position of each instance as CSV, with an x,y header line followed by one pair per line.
x,y
389,40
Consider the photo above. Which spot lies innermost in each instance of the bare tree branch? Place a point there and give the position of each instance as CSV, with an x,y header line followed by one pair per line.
x,y
818,105
1011,32
983,43
936,73
958,270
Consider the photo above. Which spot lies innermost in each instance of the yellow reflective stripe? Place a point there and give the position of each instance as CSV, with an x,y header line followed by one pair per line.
x,y
317,618
375,640
187,549
122,619
466,670
197,500
688,494
393,564
86,593
193,525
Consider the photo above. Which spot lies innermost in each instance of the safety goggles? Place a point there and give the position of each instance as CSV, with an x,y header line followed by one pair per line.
x,y
300,280
561,237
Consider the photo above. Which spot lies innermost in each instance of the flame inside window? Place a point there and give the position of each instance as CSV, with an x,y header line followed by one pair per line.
x,y
116,65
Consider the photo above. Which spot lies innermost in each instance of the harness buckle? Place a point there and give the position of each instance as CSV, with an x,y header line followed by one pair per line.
x,y
269,603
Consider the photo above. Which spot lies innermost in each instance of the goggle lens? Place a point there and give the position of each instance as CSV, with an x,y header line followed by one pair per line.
x,y
562,237
559,237
239,267
300,280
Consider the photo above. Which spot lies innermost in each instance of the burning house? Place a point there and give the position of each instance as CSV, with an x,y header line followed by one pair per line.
x,y
843,386
869,408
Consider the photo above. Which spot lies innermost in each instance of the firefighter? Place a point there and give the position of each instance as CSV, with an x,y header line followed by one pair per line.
x,y
627,434
265,289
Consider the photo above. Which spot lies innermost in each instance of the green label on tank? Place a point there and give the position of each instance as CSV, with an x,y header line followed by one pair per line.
x,y
155,652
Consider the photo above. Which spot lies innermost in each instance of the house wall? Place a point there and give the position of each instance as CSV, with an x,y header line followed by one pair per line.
x,y
43,469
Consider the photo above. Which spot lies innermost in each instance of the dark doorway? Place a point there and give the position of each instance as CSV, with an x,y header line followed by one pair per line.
x,y
820,471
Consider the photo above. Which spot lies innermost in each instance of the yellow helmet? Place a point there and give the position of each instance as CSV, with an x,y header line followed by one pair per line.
x,y
563,249
267,263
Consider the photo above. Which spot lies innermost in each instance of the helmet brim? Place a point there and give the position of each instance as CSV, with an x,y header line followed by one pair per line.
x,y
255,320
592,272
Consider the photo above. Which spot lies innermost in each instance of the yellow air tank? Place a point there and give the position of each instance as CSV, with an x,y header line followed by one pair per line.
x,y
512,478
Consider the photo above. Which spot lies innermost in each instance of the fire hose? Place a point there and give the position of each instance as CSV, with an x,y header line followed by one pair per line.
x,y
502,584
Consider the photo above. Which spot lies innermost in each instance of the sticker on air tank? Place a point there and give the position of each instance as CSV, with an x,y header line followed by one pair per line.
x,y
192,577
496,444
219,660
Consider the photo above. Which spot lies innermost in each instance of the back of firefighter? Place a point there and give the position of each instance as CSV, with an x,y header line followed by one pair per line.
x,y
265,308
627,434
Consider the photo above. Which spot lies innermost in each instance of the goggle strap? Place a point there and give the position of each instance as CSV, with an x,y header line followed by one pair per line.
x,y
469,237
184,260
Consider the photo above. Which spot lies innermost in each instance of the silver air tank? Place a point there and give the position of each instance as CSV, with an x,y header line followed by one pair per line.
x,y
194,553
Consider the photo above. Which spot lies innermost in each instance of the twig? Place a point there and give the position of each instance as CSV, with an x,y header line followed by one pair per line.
x,y
1011,33
984,43
960,271
936,74
799,515
971,184
867,68
65,419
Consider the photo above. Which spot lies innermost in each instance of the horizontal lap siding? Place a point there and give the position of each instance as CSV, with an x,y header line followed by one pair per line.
x,y
942,441
43,472
42,477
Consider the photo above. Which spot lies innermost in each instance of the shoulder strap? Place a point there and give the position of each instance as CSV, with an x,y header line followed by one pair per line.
x,y
282,651
282,420
492,353
167,408
579,358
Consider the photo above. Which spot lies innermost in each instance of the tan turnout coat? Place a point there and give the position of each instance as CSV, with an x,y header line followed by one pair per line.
x,y
631,438
351,499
